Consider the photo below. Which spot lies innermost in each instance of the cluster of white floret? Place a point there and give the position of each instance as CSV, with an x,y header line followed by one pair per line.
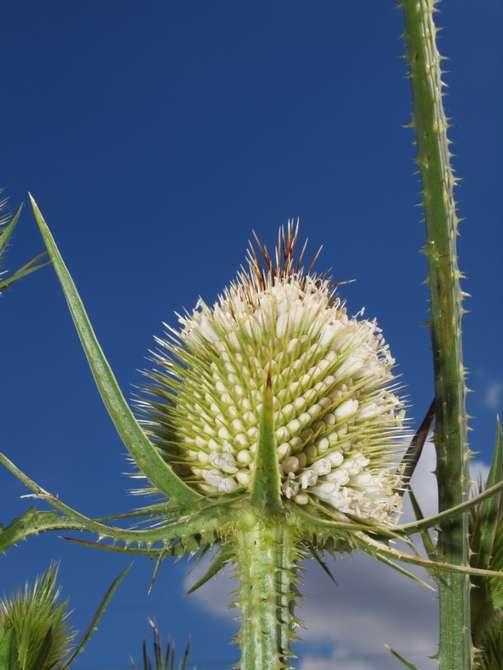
x,y
339,425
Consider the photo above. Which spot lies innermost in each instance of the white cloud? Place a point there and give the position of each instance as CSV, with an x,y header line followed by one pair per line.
x,y
494,395
338,661
372,605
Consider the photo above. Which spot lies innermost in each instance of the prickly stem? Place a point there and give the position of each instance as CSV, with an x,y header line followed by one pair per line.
x,y
265,557
437,178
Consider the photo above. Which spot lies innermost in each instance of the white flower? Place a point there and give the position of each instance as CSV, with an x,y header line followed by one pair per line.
x,y
338,424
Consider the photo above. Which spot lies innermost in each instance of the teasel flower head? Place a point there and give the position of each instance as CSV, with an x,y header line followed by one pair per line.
x,y
38,624
338,419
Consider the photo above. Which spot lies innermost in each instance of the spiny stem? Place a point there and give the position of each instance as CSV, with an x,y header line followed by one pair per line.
x,y
437,178
266,568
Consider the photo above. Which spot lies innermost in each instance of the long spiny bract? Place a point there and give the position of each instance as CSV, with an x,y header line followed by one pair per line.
x,y
135,440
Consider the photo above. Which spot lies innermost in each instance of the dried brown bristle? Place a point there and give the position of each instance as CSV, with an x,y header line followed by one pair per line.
x,y
288,259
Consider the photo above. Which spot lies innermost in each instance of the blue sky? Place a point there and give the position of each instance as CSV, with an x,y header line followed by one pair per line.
x,y
155,136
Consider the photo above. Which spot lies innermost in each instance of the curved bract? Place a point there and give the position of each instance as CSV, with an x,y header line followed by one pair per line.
x,y
135,440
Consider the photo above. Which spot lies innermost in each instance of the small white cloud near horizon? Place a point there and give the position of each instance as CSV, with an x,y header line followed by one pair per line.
x,y
493,396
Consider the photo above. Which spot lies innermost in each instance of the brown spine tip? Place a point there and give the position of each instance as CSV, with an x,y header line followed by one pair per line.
x,y
269,379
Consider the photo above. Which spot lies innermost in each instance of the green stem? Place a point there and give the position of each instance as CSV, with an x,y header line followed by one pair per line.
x,y
446,297
266,568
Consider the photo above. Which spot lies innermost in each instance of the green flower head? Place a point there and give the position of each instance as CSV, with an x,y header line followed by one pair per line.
x,y
39,623
339,422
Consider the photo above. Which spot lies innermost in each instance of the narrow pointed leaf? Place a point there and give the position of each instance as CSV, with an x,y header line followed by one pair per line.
x,y
405,572
429,521
157,644
428,544
328,524
148,510
155,571
119,549
96,618
8,651
413,453
45,650
266,486
185,659
323,565
144,453
222,557
377,548
24,271
490,511
6,232
400,658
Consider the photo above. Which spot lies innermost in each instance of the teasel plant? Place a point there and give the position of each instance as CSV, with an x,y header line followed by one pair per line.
x,y
35,630
273,424
273,427
7,226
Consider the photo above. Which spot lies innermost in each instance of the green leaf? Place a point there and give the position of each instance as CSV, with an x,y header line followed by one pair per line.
x,y
24,271
399,657
490,512
496,587
266,485
490,645
96,618
429,521
137,443
222,557
185,659
404,571
117,549
428,544
6,233
323,565
413,453
45,650
8,651
27,268
374,547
